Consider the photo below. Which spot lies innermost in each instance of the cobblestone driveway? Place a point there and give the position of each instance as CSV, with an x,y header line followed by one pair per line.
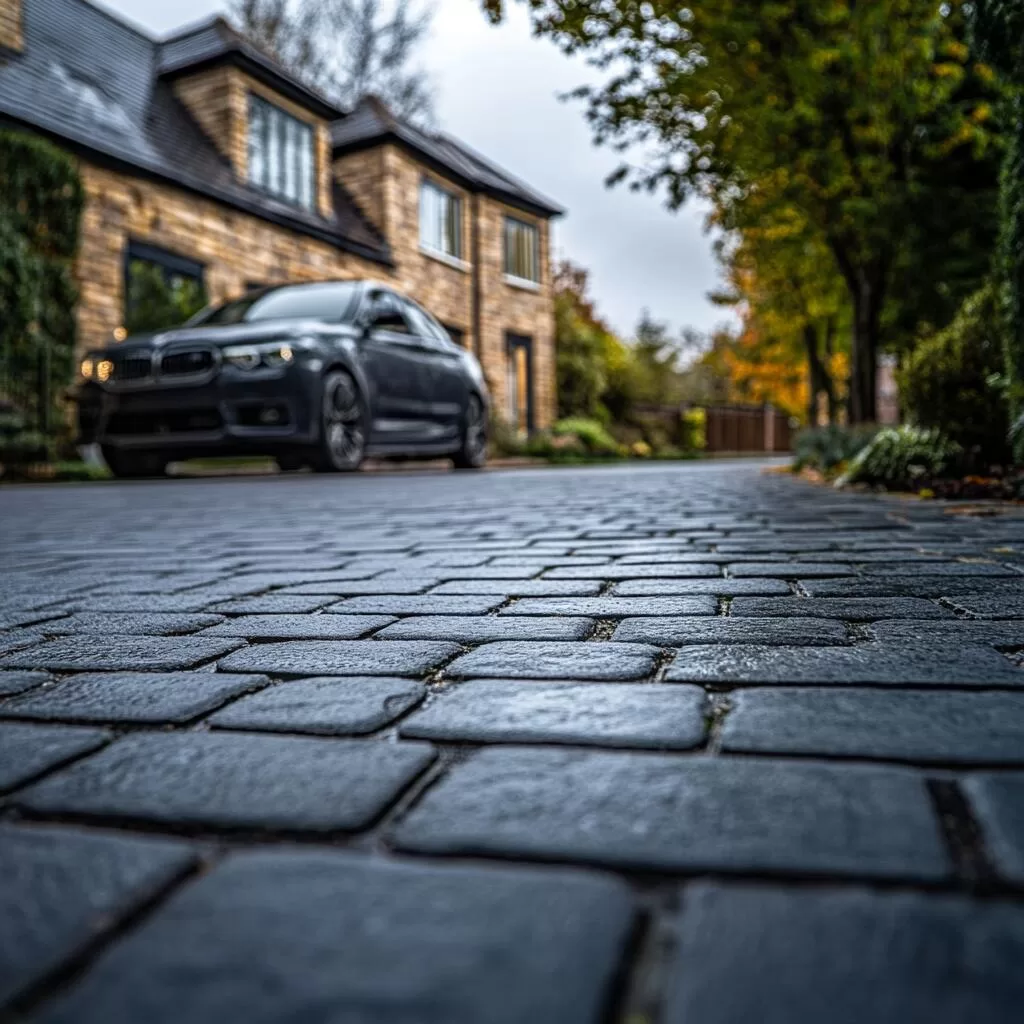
x,y
689,744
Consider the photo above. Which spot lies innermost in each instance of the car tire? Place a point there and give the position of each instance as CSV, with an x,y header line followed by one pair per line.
x,y
472,453
291,462
344,425
133,465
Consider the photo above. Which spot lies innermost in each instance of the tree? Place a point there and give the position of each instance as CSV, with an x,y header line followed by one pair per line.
x,y
847,112
581,342
347,48
999,25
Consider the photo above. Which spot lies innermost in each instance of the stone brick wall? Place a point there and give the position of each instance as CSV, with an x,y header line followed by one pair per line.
x,y
362,174
235,247
11,36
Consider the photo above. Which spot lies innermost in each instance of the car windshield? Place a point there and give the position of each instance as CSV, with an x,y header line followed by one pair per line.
x,y
334,301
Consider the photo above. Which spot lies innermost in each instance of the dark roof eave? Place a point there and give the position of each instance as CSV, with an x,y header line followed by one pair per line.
x,y
283,84
509,198
381,256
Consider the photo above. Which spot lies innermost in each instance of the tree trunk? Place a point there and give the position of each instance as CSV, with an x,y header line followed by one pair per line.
x,y
867,307
1012,265
818,377
830,387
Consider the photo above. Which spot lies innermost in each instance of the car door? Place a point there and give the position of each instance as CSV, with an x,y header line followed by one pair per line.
x,y
448,390
394,363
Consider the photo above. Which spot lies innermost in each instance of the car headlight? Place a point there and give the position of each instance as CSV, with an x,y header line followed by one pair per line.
x,y
87,368
253,357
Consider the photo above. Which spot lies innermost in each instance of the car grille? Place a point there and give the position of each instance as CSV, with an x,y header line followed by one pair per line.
x,y
145,423
130,366
192,361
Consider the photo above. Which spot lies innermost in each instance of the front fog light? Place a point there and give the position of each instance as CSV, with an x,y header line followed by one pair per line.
x,y
104,370
87,368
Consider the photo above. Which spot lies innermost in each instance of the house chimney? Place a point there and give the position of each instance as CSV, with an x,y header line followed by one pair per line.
x,y
11,17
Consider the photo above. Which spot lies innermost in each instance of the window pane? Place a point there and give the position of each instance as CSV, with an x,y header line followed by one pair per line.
x,y
306,164
273,150
522,253
257,147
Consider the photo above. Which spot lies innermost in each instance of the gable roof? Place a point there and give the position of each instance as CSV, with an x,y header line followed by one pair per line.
x,y
213,42
372,123
95,83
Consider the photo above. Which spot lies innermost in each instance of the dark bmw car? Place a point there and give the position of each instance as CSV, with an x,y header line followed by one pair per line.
x,y
318,375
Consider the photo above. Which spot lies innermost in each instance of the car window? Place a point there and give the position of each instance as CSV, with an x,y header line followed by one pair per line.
x,y
387,312
333,301
421,326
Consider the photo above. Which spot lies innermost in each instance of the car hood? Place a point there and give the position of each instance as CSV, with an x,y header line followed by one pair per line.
x,y
235,334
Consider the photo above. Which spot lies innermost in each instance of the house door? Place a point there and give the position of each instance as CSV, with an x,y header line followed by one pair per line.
x,y
519,360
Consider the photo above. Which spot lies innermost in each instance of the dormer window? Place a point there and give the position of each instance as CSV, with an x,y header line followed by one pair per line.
x,y
281,158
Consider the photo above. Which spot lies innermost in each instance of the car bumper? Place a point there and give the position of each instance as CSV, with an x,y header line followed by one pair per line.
x,y
260,411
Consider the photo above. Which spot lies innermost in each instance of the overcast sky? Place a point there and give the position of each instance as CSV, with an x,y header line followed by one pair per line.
x,y
497,89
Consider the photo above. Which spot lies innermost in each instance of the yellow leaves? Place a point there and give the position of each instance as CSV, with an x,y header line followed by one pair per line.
x,y
822,60
982,112
957,50
984,73
948,71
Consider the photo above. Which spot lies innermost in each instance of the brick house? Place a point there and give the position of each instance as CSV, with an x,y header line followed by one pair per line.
x,y
203,157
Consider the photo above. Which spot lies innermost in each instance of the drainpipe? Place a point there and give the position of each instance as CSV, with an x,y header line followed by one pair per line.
x,y
475,243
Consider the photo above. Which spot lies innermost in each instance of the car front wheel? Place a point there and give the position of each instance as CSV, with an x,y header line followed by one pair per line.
x,y
133,465
473,452
344,425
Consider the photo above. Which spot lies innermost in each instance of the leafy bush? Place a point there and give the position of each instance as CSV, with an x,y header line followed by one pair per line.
x,y
902,458
947,382
828,448
592,434
693,430
40,210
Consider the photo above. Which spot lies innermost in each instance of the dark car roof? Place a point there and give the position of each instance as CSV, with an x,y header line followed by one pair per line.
x,y
103,88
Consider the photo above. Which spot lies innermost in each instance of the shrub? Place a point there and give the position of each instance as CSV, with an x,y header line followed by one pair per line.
x,y
593,435
903,458
828,448
693,430
947,381
641,450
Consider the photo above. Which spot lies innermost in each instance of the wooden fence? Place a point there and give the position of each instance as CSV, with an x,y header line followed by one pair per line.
x,y
747,429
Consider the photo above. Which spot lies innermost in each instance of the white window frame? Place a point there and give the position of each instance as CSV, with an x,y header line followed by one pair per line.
x,y
523,229
282,156
435,203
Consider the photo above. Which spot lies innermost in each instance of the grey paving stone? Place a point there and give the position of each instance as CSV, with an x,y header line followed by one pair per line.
x,y
16,619
300,627
121,653
992,606
401,942
342,657
721,630
18,682
658,812
353,588
851,609
28,750
882,664
789,570
528,660
325,705
940,569
418,604
149,603
272,604
230,781
914,725
636,571
613,607
141,623
909,586
132,697
846,956
480,629
18,640
61,888
998,633
998,804
522,588
720,587
590,714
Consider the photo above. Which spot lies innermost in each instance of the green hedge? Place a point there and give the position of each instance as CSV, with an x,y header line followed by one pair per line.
x,y
40,214
947,381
